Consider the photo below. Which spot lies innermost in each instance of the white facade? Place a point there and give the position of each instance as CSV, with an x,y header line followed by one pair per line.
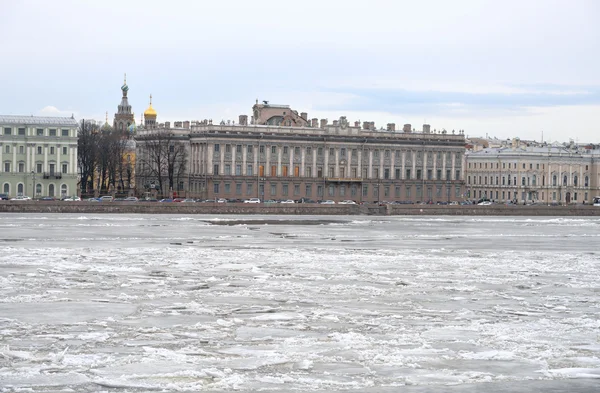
x,y
545,174
38,156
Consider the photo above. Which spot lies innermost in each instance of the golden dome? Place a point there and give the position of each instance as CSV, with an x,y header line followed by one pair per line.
x,y
150,111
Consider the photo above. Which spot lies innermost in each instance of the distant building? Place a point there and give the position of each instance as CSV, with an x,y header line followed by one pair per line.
x,y
38,156
124,118
537,173
282,155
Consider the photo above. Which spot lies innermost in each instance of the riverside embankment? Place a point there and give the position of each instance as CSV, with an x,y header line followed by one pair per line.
x,y
289,209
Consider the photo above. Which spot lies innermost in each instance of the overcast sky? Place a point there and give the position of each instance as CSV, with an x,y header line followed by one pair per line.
x,y
501,68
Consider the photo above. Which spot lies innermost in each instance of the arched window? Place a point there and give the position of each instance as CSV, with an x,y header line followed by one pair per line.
x,y
586,181
575,180
6,188
564,180
51,190
554,180
20,189
63,190
533,180
38,189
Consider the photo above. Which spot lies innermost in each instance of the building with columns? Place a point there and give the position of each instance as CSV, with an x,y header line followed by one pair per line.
x,y
38,156
281,155
541,173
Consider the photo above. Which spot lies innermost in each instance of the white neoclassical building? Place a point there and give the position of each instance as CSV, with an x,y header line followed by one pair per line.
x,y
38,156
547,173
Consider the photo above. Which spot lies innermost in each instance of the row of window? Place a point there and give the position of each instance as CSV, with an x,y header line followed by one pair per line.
x,y
331,172
526,181
473,165
38,167
21,150
343,151
38,132
39,189
334,191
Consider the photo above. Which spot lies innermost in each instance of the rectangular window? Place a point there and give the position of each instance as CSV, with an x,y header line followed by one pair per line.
x,y
7,167
21,149
52,132
227,188
419,193
523,165
386,154
21,131
376,153
39,150
7,131
261,149
320,151
249,149
238,188
249,189
386,173
52,150
397,192
386,191
438,192
238,170
408,174
418,174
457,192
331,190
376,173
228,169
296,151
64,150
365,191
353,190
284,169
21,167
227,148
273,189
398,174
331,152
249,170
308,171
448,174
216,169
64,168
284,189
319,172
438,175
331,171
308,190
273,170
342,191
39,132
457,175
285,150
7,149
343,152
319,191
216,188
429,174
238,148
296,189
273,149
354,153
38,168
65,132
309,151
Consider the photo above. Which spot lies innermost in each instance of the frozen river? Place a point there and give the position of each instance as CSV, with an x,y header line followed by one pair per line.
x,y
135,303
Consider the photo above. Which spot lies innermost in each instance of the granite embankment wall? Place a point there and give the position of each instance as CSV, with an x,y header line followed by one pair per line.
x,y
297,209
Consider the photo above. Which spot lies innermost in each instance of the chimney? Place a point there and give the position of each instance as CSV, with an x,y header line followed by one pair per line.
x,y
323,123
365,125
186,124
243,120
177,124
335,123
406,128
391,127
167,124
314,122
304,115
426,128
372,125
357,124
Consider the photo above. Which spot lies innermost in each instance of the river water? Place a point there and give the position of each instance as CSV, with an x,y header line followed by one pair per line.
x,y
134,303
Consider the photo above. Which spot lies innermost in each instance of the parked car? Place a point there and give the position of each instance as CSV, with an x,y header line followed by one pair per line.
x,y
47,199
188,200
327,202
484,203
287,201
271,201
72,199
221,200
306,200
21,198
4,197
165,200
252,200
347,202
178,199
106,198
130,199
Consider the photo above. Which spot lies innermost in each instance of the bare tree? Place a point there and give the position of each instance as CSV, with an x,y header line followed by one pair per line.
x,y
87,154
161,159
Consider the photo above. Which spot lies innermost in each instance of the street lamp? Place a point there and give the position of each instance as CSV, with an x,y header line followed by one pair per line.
x,y
33,184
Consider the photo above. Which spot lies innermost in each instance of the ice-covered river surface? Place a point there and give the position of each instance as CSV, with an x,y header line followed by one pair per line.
x,y
133,303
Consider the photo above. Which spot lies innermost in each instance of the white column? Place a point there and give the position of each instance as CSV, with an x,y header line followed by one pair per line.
x,y
314,161
393,165
336,171
45,158
255,171
267,160
444,167
359,163
381,157
58,164
302,161
413,174
291,168
28,159
244,159
279,158
209,158
326,163
14,160
222,159
370,170
454,166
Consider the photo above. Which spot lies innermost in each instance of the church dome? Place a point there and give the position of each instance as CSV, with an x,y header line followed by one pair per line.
x,y
150,111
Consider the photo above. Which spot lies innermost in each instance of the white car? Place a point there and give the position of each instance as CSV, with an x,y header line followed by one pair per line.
x,y
20,198
252,200
287,201
484,203
221,200
347,202
328,202
131,199
72,199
